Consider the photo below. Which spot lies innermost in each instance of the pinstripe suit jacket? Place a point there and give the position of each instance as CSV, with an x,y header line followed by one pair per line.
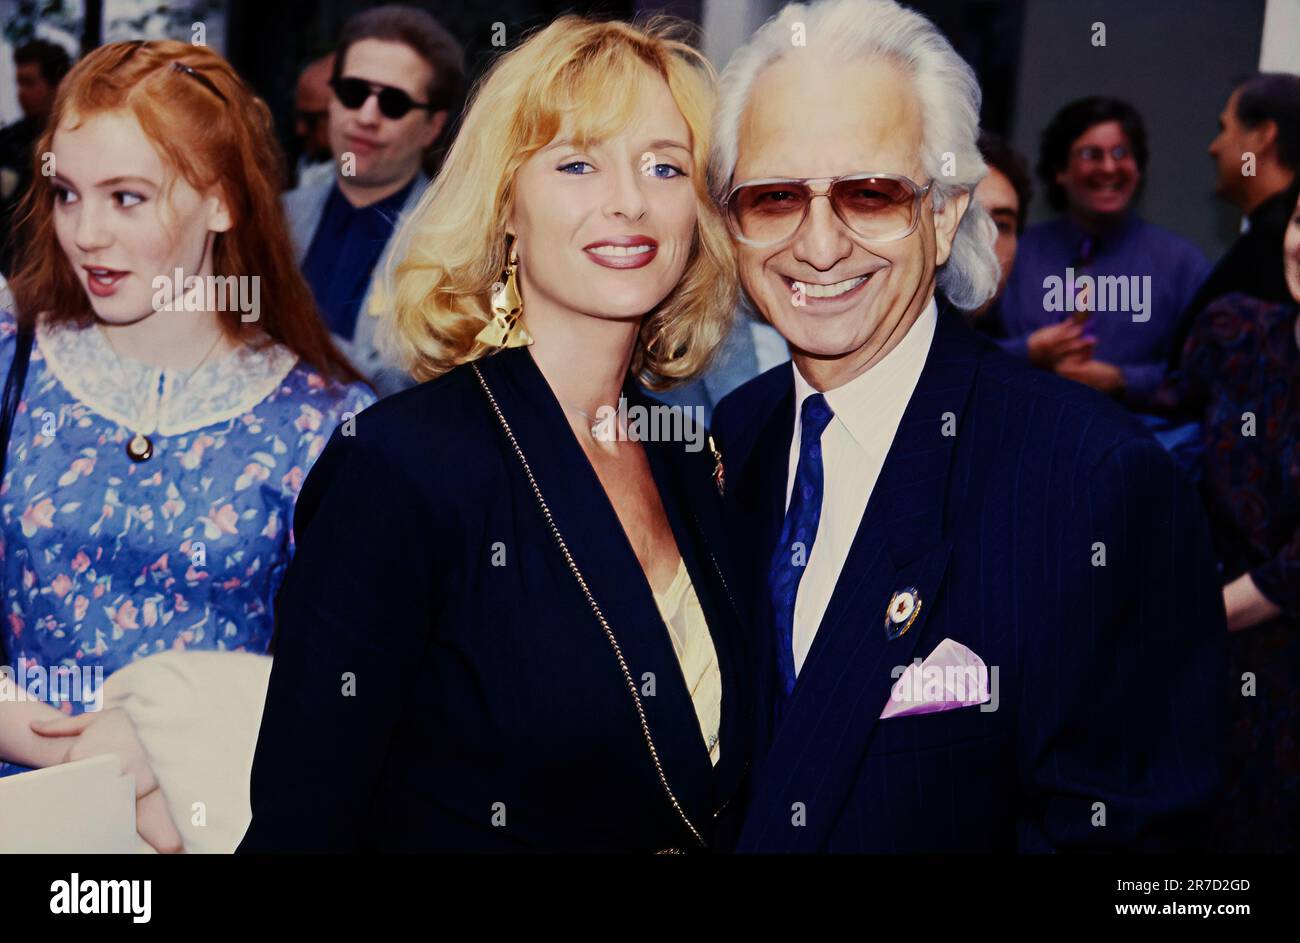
x,y
1108,728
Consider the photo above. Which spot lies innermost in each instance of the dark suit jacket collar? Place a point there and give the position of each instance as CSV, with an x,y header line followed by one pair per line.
x,y
1275,212
603,554
902,543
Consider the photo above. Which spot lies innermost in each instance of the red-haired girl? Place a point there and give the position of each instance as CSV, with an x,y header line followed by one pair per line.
x,y
180,387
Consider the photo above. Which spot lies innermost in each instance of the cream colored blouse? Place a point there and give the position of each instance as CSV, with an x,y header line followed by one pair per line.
x,y
681,612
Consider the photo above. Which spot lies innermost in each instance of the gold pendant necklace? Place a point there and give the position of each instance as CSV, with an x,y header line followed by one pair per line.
x,y
139,448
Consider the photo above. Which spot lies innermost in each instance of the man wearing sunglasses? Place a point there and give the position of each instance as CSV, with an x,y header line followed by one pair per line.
x,y
397,76
983,598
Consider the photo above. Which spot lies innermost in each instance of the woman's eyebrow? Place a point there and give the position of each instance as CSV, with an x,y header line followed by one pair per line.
x,y
665,144
127,178
660,145
109,182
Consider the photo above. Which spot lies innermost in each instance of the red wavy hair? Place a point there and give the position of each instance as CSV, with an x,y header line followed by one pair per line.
x,y
213,131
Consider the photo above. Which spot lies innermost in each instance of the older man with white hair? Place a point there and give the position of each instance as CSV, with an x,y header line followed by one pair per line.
x,y
985,598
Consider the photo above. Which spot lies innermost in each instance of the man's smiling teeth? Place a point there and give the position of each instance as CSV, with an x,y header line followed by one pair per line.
x,y
621,251
829,291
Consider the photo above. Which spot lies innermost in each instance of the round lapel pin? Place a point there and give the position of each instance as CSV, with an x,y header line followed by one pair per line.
x,y
904,606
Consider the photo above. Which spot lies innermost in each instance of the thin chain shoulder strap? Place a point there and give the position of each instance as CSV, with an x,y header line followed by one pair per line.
x,y
595,608
13,393
14,383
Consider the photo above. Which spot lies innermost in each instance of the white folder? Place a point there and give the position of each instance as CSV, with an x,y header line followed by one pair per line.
x,y
85,807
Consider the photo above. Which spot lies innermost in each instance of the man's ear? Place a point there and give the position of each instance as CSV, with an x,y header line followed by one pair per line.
x,y
946,222
433,127
219,216
1262,137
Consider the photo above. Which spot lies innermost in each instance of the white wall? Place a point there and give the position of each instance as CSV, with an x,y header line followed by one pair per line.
x,y
1280,51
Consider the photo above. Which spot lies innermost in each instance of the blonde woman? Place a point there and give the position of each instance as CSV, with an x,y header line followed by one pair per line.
x,y
508,626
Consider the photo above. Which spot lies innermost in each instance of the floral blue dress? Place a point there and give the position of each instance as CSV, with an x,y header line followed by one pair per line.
x,y
106,560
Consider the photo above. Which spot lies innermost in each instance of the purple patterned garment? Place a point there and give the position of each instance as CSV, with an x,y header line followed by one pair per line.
x,y
1241,372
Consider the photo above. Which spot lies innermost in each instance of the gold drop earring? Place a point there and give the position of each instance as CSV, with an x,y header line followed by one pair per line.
x,y
505,329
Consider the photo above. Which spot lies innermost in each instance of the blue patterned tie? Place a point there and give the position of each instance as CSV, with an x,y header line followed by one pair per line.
x,y
798,532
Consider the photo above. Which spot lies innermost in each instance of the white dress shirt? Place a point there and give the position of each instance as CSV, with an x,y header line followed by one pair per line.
x,y
855,442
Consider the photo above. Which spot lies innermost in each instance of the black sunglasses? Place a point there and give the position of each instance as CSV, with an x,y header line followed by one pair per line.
x,y
393,102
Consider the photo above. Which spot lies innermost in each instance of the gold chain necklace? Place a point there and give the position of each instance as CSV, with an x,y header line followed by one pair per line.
x,y
139,448
628,682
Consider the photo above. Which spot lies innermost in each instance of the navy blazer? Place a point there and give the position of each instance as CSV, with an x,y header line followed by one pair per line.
x,y
1110,677
487,709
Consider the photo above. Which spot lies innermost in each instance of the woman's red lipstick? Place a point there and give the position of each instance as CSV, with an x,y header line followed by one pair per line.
x,y
627,251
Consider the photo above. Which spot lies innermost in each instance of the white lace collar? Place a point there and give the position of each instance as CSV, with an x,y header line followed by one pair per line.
x,y
148,399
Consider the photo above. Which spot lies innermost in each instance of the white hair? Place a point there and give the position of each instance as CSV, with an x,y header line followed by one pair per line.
x,y
950,105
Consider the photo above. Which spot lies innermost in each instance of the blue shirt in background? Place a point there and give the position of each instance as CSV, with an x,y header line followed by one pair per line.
x,y
344,251
1133,247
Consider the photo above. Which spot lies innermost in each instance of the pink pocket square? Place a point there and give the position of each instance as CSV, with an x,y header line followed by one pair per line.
x,y
952,676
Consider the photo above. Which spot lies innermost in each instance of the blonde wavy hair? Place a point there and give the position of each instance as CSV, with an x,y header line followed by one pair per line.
x,y
433,296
